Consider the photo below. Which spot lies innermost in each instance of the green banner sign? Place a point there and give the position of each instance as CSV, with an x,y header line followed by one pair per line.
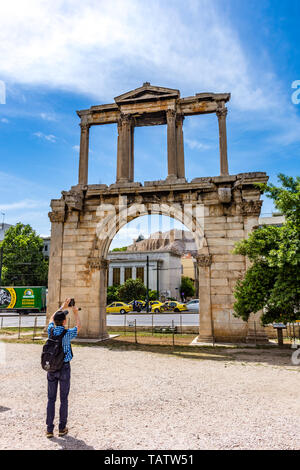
x,y
23,298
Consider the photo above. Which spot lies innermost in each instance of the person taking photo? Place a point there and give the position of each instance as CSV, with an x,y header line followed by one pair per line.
x,y
62,377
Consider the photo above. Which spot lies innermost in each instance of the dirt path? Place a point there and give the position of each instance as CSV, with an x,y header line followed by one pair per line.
x,y
126,399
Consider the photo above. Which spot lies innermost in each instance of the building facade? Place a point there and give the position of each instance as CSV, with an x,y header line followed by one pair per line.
x,y
3,229
164,270
46,247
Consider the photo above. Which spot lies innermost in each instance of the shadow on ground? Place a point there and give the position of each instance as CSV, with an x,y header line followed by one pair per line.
x,y
71,443
258,355
3,408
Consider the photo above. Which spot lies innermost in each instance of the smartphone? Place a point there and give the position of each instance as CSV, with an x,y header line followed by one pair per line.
x,y
72,303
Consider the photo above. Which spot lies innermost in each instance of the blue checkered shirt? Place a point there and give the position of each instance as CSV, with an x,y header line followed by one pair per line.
x,y
66,342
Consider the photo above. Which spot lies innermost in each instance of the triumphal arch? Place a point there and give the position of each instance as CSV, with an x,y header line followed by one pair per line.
x,y
219,210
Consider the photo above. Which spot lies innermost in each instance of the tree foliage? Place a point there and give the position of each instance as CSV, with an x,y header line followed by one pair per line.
x,y
112,294
272,281
23,260
153,295
132,289
187,287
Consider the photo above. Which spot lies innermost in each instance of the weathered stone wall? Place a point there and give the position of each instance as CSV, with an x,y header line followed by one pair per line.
x,y
86,218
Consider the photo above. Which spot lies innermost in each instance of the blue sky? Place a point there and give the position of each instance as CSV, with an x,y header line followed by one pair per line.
x,y
61,56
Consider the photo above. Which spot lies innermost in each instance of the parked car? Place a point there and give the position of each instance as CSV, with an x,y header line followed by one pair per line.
x,y
156,306
118,307
193,305
139,305
174,306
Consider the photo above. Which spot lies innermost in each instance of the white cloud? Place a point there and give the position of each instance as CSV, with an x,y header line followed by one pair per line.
x,y
30,209
76,148
24,204
41,135
195,144
104,48
48,117
4,120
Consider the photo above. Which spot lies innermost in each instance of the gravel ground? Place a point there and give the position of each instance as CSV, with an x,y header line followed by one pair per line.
x,y
124,399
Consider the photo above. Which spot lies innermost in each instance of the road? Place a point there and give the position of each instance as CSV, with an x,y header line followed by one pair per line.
x,y
12,319
142,319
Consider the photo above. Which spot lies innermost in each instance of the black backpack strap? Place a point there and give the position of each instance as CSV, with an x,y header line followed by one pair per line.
x,y
62,334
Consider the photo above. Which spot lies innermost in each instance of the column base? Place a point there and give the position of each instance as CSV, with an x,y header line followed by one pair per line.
x,y
125,184
173,179
92,338
205,339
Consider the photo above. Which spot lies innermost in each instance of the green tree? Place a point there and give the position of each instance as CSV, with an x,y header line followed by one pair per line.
x,y
23,260
187,286
272,282
152,295
112,294
133,289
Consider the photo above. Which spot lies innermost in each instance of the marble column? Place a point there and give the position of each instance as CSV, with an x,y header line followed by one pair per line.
x,y
125,149
57,219
131,166
96,311
206,329
119,150
221,114
180,146
122,275
110,276
172,143
133,272
84,154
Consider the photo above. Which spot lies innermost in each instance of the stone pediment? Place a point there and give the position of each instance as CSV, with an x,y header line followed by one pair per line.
x,y
147,92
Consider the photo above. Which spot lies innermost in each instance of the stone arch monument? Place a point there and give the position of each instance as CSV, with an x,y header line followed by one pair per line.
x,y
219,210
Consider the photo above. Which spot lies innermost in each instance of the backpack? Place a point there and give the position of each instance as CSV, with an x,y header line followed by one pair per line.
x,y
52,358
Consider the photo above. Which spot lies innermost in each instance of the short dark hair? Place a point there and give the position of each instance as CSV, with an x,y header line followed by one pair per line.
x,y
59,317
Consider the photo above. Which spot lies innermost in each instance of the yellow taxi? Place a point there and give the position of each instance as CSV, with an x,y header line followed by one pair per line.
x,y
156,306
118,307
174,306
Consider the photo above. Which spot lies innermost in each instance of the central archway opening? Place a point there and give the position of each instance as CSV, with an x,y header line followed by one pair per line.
x,y
153,276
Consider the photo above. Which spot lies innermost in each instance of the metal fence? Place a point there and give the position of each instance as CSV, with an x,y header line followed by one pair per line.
x,y
23,321
168,326
231,331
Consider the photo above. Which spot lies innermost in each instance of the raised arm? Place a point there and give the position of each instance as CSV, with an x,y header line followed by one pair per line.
x,y
77,319
63,307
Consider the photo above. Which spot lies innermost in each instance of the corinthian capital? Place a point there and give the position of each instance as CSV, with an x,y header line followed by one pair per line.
x,y
204,260
171,114
55,216
124,119
84,126
97,263
221,112
179,118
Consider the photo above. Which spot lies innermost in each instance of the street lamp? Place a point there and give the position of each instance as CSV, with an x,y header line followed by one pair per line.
x,y
1,250
3,214
1,261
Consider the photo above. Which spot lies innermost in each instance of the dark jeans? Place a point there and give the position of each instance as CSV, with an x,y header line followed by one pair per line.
x,y
63,377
